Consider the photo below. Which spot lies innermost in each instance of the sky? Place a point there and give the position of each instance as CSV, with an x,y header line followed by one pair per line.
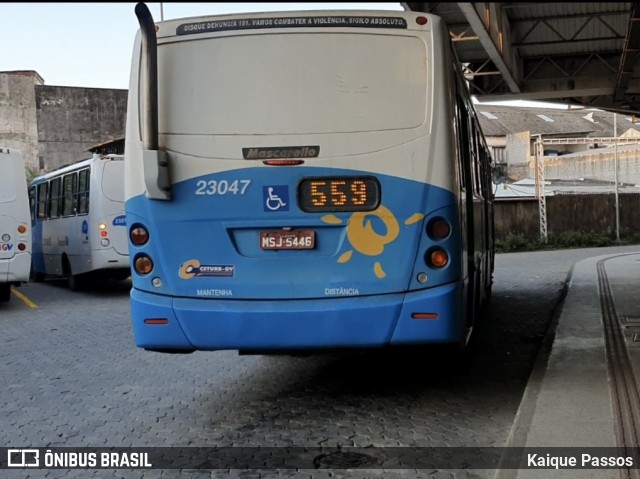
x,y
90,44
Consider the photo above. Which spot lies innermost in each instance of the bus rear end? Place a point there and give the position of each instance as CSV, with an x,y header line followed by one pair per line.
x,y
15,227
311,200
109,247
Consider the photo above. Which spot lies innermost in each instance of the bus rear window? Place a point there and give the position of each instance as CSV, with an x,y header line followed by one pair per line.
x,y
332,83
113,180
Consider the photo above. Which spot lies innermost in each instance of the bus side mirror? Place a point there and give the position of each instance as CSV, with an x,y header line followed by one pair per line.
x,y
156,174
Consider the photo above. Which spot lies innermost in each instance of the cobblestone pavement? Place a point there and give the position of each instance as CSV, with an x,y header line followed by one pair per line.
x,y
71,376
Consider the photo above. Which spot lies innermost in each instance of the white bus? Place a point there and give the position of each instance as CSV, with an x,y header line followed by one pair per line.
x,y
79,221
15,232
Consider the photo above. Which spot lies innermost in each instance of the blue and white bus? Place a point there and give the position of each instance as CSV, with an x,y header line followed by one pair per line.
x,y
15,230
303,181
79,230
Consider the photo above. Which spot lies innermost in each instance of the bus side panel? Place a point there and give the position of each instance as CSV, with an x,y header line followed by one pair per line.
x,y
77,250
92,235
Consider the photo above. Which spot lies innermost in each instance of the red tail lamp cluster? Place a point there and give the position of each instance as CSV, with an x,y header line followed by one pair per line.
x,y
139,236
104,241
22,229
438,229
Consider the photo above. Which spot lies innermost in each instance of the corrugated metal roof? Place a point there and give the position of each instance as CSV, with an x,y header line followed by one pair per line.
x,y
579,52
575,122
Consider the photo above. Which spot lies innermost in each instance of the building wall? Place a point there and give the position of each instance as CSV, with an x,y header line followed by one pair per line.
x,y
594,213
518,153
71,120
592,164
18,123
598,165
54,125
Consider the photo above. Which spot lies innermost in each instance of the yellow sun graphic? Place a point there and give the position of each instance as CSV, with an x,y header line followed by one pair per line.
x,y
365,240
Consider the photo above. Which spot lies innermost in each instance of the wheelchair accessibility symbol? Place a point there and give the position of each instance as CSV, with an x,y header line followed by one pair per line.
x,y
275,198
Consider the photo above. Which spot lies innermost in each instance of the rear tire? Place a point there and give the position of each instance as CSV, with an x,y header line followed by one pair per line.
x,y
73,280
5,292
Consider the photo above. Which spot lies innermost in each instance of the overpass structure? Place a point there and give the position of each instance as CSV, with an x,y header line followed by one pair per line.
x,y
581,53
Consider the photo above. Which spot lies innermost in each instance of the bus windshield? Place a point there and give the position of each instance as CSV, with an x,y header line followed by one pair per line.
x,y
376,82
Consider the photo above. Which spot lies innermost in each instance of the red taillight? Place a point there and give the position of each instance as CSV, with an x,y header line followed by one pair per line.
x,y
156,321
138,235
283,162
438,229
22,246
425,315
421,20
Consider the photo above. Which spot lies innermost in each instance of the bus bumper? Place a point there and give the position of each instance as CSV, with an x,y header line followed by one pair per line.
x,y
16,269
372,321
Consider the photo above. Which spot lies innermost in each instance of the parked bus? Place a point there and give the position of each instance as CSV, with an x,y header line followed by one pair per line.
x,y
79,222
301,181
15,231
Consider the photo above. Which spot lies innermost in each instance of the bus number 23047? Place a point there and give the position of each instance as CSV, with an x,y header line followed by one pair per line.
x,y
222,187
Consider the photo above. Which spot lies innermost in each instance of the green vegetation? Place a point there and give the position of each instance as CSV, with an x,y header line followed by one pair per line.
x,y
567,240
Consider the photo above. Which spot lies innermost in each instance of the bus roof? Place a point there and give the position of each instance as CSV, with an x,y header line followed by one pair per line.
x,y
381,20
76,166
